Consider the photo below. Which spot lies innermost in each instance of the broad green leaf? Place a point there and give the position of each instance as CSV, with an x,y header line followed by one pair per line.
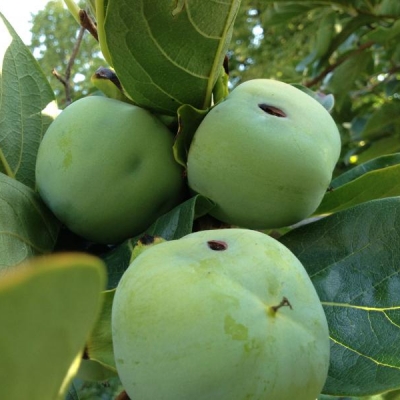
x,y
393,395
189,119
99,346
353,260
169,53
383,34
324,35
94,371
173,225
346,74
348,27
285,12
372,165
374,184
383,121
386,145
389,7
27,106
27,227
48,307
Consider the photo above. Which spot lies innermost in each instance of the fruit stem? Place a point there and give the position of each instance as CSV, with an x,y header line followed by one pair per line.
x,y
284,303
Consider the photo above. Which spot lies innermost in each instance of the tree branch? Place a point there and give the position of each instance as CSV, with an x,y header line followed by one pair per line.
x,y
333,66
66,79
88,24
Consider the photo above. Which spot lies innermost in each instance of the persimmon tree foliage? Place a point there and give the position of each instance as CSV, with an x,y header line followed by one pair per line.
x,y
178,61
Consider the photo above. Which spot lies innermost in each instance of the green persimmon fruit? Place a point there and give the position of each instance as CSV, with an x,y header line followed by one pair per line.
x,y
106,169
265,155
227,314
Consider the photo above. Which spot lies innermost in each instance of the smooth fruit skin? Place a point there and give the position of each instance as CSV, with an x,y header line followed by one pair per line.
x,y
193,322
262,169
106,169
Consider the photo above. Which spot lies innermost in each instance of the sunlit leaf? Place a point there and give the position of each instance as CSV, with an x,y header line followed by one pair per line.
x,y
353,259
27,106
370,182
169,53
48,307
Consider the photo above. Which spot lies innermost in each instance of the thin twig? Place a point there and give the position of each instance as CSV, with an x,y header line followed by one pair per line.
x,y
88,24
332,67
66,79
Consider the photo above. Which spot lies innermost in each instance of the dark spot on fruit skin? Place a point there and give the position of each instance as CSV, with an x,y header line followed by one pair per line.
x,y
275,111
217,245
147,239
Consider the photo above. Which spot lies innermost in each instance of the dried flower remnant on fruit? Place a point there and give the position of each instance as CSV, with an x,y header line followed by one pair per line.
x,y
217,245
276,112
284,303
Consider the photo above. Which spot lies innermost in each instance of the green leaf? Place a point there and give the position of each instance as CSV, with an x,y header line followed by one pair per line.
x,y
169,53
348,28
393,395
324,35
27,227
285,12
99,346
383,121
48,307
346,74
367,183
27,106
173,225
377,148
353,260
372,165
189,119
326,100
382,34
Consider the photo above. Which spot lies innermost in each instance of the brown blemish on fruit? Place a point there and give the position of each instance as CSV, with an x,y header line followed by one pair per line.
x,y
217,245
275,111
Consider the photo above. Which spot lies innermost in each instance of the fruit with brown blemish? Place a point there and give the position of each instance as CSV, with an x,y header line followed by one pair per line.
x,y
265,155
220,314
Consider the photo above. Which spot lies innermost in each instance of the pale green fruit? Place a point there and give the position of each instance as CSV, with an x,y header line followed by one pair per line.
x,y
205,318
106,169
265,155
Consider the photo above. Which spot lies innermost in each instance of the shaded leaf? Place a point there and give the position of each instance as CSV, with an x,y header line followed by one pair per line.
x,y
377,148
27,227
173,225
48,307
353,259
326,100
27,106
167,54
99,346
347,73
189,119
383,121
